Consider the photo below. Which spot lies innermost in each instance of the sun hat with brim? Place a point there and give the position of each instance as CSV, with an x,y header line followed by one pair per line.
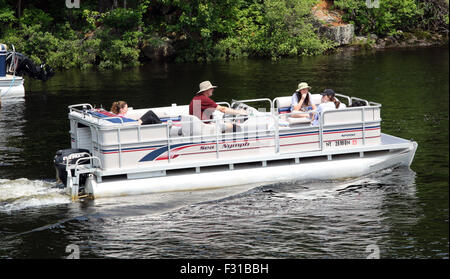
x,y
205,85
302,85
328,92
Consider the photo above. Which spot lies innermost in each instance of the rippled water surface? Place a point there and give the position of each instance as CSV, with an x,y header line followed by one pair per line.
x,y
404,211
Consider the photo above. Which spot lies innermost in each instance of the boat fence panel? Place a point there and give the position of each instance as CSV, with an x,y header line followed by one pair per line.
x,y
129,145
84,138
349,115
351,127
299,139
126,146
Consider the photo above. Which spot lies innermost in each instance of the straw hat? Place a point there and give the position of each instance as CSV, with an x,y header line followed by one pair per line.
x,y
302,85
205,85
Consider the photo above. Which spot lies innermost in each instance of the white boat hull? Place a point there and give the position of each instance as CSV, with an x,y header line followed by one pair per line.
x,y
302,171
11,88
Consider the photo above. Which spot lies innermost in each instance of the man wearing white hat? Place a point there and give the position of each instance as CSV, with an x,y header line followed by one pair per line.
x,y
203,106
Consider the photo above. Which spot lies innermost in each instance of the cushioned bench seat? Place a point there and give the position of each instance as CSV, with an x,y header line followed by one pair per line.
x,y
106,114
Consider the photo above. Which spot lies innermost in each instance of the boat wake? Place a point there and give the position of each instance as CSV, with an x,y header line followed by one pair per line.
x,y
392,179
22,193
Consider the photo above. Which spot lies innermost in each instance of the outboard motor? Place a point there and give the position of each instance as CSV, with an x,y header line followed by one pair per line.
x,y
20,64
72,155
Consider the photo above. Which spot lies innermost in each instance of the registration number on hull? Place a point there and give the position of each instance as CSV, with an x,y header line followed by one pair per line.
x,y
338,143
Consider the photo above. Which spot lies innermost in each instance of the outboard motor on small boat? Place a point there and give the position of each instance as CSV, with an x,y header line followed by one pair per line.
x,y
72,155
20,64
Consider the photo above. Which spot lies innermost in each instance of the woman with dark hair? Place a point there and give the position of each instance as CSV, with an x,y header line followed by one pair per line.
x,y
120,108
302,101
328,102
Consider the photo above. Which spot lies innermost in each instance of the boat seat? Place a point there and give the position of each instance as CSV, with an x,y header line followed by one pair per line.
x,y
101,113
192,126
283,104
298,120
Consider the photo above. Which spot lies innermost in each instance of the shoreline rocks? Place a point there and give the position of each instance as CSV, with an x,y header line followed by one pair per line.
x,y
400,40
341,34
329,23
158,49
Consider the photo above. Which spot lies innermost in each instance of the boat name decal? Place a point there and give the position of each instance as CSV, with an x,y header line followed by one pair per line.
x,y
226,146
235,145
207,147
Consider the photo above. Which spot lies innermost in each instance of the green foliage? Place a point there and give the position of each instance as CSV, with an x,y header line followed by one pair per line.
x,y
203,23
274,29
232,29
116,52
90,18
122,19
435,15
36,17
7,17
198,30
389,17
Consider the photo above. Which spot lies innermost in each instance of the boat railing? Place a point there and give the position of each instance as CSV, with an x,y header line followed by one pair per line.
x,y
83,107
349,99
166,137
363,120
91,159
223,103
375,104
85,112
359,99
166,126
85,169
217,136
254,101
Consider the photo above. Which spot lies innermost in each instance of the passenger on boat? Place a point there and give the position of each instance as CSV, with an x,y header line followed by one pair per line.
x,y
203,106
328,102
120,108
302,101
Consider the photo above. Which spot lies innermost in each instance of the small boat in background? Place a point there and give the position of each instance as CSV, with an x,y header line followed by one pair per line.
x,y
13,66
115,156
11,87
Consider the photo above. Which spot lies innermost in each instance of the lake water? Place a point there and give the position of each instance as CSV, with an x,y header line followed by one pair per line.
x,y
403,211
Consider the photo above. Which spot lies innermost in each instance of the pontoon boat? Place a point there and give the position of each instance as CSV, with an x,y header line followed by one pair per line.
x,y
114,156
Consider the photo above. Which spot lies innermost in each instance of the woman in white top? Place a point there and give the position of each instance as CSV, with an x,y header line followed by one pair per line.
x,y
302,101
328,102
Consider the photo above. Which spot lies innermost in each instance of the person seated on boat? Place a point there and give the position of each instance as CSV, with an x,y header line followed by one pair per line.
x,y
302,101
328,102
203,107
120,108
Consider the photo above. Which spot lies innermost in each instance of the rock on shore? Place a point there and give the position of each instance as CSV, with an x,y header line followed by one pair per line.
x,y
329,23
